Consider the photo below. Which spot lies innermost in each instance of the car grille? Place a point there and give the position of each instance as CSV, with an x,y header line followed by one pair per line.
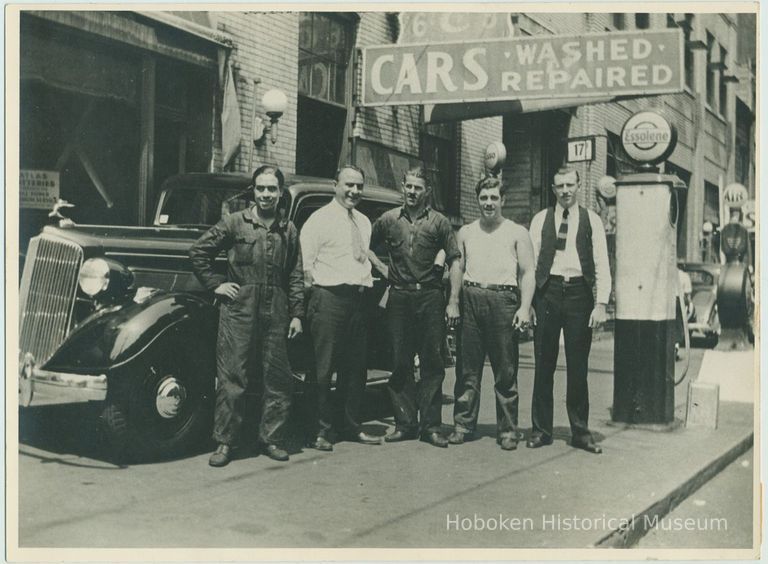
x,y
47,295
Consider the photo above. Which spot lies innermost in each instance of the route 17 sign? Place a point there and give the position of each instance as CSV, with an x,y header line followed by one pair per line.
x,y
648,138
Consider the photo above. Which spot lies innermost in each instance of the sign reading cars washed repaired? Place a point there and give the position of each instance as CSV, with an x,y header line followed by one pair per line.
x,y
614,63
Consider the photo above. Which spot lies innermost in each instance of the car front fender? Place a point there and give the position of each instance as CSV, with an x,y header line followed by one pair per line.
x,y
113,338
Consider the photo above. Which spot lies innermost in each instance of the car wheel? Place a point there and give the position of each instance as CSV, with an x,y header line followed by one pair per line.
x,y
162,409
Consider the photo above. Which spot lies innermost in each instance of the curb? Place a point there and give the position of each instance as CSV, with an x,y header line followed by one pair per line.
x,y
639,524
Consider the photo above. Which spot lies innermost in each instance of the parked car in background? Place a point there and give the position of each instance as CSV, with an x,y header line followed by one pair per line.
x,y
704,278
116,313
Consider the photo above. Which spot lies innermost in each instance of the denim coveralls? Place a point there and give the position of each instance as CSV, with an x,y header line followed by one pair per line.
x,y
253,327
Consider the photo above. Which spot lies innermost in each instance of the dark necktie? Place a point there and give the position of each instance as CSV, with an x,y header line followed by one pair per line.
x,y
358,249
562,233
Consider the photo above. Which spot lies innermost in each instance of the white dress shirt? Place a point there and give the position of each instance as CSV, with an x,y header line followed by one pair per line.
x,y
566,263
326,246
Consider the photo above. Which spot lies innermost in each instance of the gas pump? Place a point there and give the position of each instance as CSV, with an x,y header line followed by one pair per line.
x,y
646,276
734,288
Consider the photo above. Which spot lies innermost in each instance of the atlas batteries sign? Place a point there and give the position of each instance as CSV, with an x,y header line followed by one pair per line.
x,y
588,65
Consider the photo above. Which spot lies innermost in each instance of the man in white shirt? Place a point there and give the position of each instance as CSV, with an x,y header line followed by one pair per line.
x,y
334,245
571,261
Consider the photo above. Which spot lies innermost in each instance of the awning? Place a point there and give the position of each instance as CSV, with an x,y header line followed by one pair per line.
x,y
437,113
196,23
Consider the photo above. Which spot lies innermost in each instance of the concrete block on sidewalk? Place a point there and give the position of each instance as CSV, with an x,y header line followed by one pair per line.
x,y
703,405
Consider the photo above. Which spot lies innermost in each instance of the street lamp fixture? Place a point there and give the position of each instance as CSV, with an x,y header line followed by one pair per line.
x,y
274,102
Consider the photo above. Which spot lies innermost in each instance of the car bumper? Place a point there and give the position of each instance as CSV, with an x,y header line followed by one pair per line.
x,y
702,327
45,387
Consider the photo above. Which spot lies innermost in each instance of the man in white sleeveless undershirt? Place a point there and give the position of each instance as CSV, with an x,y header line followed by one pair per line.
x,y
498,286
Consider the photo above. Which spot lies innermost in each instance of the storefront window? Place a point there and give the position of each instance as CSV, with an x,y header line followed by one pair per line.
x,y
323,57
642,20
325,46
723,85
711,72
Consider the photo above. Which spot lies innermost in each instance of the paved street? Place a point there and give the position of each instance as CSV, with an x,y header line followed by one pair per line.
x,y
723,505
403,495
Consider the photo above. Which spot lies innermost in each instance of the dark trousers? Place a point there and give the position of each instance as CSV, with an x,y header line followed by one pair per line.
x,y
339,337
562,306
251,348
416,323
487,329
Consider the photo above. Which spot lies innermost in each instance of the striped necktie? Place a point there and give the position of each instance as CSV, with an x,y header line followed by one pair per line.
x,y
358,249
562,233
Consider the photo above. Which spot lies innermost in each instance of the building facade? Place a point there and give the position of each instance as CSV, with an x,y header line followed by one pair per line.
x,y
116,102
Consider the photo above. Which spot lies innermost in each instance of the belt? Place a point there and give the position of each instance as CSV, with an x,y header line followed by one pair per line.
x,y
416,286
568,279
343,288
498,287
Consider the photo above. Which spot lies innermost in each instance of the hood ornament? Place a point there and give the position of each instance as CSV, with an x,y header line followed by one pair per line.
x,y
56,212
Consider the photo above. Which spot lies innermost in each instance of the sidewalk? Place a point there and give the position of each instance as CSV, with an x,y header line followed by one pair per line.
x,y
565,497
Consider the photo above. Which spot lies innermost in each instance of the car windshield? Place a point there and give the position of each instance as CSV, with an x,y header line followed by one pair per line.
x,y
202,206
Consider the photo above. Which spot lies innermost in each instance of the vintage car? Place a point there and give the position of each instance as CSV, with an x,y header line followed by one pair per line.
x,y
116,314
704,277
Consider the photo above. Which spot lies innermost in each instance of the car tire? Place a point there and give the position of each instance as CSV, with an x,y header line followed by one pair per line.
x,y
162,409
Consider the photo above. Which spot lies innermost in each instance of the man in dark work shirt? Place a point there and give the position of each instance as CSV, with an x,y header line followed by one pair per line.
x,y
413,235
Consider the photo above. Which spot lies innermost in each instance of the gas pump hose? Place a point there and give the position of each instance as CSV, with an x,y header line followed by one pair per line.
x,y
686,339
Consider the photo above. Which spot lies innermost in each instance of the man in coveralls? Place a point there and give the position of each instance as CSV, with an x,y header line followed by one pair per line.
x,y
334,245
262,299
496,303
571,259
413,235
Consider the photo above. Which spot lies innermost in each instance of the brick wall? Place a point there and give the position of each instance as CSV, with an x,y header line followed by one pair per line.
x,y
393,126
266,49
475,136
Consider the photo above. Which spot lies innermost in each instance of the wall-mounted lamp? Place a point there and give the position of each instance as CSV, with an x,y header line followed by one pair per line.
x,y
274,103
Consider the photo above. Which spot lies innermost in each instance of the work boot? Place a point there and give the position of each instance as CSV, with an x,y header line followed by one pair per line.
x,y
276,453
507,442
221,457
459,437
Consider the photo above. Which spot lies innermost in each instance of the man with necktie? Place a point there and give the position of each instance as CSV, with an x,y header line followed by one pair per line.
x,y
412,236
571,263
334,244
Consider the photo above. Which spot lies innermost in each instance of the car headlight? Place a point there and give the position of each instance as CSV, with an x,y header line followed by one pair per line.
x,y
102,277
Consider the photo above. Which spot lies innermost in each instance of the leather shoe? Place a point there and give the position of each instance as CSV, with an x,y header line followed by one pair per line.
x,y
221,456
507,442
321,443
435,439
365,439
459,437
276,453
398,435
538,441
589,446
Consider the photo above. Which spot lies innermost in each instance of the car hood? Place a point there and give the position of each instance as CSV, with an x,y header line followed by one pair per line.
x,y
116,239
